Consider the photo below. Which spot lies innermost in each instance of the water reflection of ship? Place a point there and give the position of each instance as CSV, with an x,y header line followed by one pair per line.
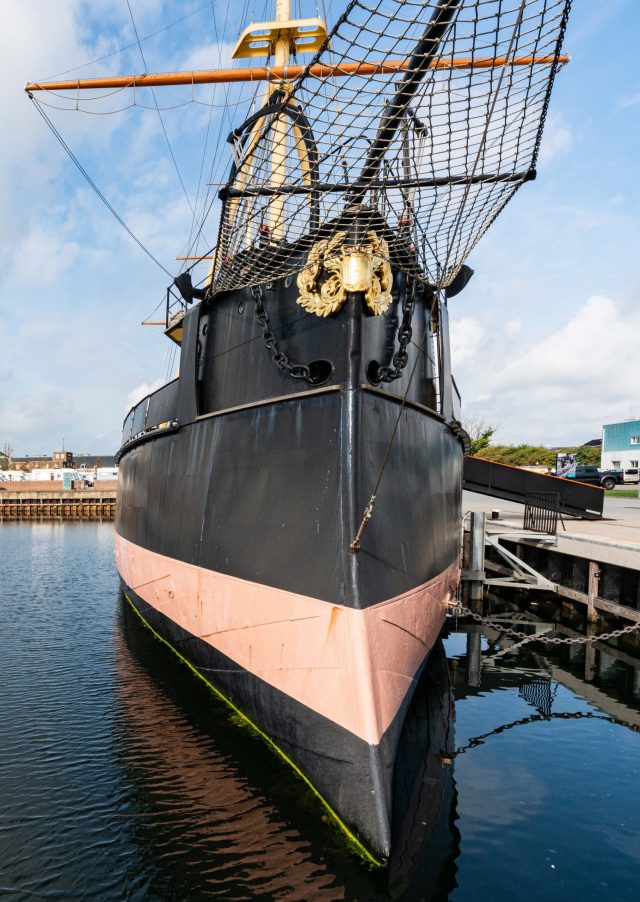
x,y
202,822
210,818
426,839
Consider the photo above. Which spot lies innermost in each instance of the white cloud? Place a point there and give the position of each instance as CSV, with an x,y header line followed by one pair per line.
x,y
629,100
512,327
37,41
561,387
208,56
466,339
22,417
557,138
49,254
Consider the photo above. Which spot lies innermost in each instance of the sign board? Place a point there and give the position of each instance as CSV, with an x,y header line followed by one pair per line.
x,y
566,465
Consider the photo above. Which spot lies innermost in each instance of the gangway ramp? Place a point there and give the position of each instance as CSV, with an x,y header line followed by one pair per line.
x,y
575,499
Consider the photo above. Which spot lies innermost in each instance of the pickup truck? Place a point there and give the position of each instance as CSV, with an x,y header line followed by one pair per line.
x,y
608,479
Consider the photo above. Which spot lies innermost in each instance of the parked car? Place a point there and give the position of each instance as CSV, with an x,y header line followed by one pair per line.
x,y
632,474
608,479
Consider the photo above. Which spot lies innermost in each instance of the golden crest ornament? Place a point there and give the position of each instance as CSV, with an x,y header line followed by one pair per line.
x,y
334,269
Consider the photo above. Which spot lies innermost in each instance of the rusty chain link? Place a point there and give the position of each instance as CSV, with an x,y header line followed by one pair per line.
x,y
525,637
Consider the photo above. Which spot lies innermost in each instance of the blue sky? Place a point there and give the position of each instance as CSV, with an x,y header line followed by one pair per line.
x,y
545,337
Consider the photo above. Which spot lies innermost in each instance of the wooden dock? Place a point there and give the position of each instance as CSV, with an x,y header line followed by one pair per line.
x,y
595,564
50,501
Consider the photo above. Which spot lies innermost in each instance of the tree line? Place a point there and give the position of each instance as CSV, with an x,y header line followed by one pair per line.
x,y
481,433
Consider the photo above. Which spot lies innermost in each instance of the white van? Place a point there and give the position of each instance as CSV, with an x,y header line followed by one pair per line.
x,y
632,474
106,473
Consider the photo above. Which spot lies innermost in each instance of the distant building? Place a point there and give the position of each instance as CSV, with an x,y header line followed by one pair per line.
x,y
621,445
32,463
90,461
64,460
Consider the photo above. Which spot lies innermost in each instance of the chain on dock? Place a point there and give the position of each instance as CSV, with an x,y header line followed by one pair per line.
x,y
460,610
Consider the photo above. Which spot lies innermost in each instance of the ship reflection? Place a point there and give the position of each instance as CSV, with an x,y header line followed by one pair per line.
x,y
426,839
213,812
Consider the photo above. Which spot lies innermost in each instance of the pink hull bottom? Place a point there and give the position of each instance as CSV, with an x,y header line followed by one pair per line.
x,y
329,684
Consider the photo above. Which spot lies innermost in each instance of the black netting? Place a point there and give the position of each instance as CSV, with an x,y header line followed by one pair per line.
x,y
430,150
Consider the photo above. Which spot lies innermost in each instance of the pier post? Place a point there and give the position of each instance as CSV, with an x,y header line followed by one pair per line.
x,y
476,555
592,592
474,656
590,665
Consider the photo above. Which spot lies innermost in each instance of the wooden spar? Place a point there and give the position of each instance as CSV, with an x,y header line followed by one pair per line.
x,y
277,73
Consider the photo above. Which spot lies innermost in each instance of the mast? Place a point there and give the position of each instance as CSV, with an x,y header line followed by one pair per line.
x,y
279,139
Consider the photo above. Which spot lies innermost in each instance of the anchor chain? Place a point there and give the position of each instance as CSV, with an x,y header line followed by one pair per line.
x,y
526,637
295,370
405,331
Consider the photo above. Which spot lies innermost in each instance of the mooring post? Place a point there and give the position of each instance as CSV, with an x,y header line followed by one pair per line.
x,y
476,556
474,655
589,655
592,592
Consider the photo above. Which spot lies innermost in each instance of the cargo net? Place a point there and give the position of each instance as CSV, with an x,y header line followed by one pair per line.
x,y
423,118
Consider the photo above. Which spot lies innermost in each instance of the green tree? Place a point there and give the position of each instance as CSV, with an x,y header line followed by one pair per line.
x,y
6,456
479,431
537,455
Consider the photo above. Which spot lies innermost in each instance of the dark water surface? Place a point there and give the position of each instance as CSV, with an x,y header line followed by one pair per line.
x,y
122,777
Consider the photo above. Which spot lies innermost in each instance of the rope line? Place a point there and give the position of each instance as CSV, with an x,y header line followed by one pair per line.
x,y
93,185
122,49
164,130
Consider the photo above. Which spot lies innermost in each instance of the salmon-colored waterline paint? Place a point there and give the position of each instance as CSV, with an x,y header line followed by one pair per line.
x,y
354,667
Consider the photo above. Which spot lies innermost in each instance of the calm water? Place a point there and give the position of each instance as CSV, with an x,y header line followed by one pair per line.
x,y
121,777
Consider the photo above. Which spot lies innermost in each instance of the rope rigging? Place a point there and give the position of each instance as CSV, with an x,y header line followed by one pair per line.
x,y
95,188
478,74
164,130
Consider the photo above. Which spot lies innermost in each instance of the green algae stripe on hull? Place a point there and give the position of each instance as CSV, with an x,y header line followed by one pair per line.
x,y
352,840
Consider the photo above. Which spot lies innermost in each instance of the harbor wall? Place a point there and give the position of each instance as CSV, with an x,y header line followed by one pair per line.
x,y
50,501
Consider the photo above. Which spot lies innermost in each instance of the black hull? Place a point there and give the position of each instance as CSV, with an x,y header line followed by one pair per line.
x,y
275,494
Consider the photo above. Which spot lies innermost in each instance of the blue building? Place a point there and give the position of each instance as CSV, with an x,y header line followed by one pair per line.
x,y
621,445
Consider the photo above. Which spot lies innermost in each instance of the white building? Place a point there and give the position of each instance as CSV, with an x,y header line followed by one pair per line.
x,y
621,445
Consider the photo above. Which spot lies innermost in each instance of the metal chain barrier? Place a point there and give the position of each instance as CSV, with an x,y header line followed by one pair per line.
x,y
525,637
295,370
405,331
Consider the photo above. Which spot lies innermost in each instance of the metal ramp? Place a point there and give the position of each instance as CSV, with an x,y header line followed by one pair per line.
x,y
575,499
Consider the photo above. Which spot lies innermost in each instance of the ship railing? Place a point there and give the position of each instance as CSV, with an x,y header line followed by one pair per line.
x,y
154,412
457,400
